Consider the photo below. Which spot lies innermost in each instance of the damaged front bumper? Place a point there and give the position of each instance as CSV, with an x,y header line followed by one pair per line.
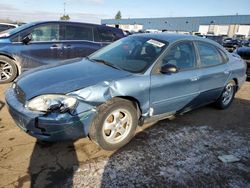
x,y
51,126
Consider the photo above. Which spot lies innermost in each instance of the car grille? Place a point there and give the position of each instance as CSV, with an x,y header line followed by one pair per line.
x,y
20,94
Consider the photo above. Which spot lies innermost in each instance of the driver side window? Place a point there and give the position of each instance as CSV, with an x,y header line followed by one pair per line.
x,y
45,33
182,55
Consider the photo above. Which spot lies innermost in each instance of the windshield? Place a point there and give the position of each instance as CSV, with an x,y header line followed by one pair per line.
x,y
134,53
15,30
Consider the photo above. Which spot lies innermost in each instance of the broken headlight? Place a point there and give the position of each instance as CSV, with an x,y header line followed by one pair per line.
x,y
47,103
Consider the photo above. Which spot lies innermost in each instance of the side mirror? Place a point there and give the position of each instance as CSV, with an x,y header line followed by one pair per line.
x,y
169,69
26,39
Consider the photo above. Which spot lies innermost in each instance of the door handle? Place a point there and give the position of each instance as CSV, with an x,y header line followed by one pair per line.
x,y
67,47
56,47
193,79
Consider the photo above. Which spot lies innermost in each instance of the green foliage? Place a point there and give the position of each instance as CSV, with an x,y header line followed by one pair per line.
x,y
118,15
65,17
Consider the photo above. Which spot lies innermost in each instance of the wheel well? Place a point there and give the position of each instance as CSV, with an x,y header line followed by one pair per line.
x,y
7,56
10,57
236,82
134,101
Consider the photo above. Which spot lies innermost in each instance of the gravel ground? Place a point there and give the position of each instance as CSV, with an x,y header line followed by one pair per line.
x,y
179,153
168,157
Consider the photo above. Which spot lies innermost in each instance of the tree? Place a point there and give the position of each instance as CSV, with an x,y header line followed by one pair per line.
x,y
118,15
65,17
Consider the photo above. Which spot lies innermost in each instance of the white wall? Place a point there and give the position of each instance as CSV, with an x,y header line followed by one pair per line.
x,y
203,29
135,27
221,30
243,30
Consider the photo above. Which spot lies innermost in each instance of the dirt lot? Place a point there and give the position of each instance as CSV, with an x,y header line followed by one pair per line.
x,y
181,152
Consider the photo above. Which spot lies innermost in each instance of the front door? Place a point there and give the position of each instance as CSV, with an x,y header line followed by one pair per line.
x,y
44,48
171,92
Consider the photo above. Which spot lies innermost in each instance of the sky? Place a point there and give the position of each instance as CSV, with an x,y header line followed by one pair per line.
x,y
94,10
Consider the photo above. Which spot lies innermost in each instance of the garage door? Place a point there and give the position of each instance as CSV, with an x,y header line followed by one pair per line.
x,y
203,29
244,30
222,30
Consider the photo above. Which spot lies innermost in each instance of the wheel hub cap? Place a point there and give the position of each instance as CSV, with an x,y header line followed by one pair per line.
x,y
117,126
5,71
228,93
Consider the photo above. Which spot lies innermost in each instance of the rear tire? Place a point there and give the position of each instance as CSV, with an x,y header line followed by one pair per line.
x,y
227,96
115,124
8,70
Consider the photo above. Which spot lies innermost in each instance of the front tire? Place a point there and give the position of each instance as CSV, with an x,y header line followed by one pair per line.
x,y
8,70
227,96
115,124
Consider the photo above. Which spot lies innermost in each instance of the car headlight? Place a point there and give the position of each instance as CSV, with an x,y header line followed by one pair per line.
x,y
47,103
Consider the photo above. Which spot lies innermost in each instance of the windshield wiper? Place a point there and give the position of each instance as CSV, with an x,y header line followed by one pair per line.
x,y
106,63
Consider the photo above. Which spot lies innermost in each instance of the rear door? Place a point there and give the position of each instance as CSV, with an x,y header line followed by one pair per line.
x,y
172,92
215,70
79,40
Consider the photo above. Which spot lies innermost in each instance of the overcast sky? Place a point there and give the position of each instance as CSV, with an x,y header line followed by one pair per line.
x,y
95,10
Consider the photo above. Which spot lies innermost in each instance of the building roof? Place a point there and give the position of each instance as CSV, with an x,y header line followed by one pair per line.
x,y
182,23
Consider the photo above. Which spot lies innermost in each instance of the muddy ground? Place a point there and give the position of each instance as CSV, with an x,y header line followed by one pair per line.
x,y
179,153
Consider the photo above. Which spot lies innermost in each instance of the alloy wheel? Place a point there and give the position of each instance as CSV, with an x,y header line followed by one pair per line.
x,y
117,126
6,71
228,93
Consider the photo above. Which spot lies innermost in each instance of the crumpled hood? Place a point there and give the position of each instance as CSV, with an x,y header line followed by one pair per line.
x,y
66,78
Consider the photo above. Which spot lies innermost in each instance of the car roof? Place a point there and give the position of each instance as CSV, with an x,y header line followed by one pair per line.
x,y
31,24
169,37
173,37
70,22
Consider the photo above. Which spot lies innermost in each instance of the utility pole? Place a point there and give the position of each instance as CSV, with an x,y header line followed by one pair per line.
x,y
64,5
64,16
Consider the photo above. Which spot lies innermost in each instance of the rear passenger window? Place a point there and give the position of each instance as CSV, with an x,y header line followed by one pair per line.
x,y
78,32
209,55
106,35
96,35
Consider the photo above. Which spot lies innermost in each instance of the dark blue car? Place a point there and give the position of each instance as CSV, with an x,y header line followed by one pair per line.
x,y
244,53
137,79
41,43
